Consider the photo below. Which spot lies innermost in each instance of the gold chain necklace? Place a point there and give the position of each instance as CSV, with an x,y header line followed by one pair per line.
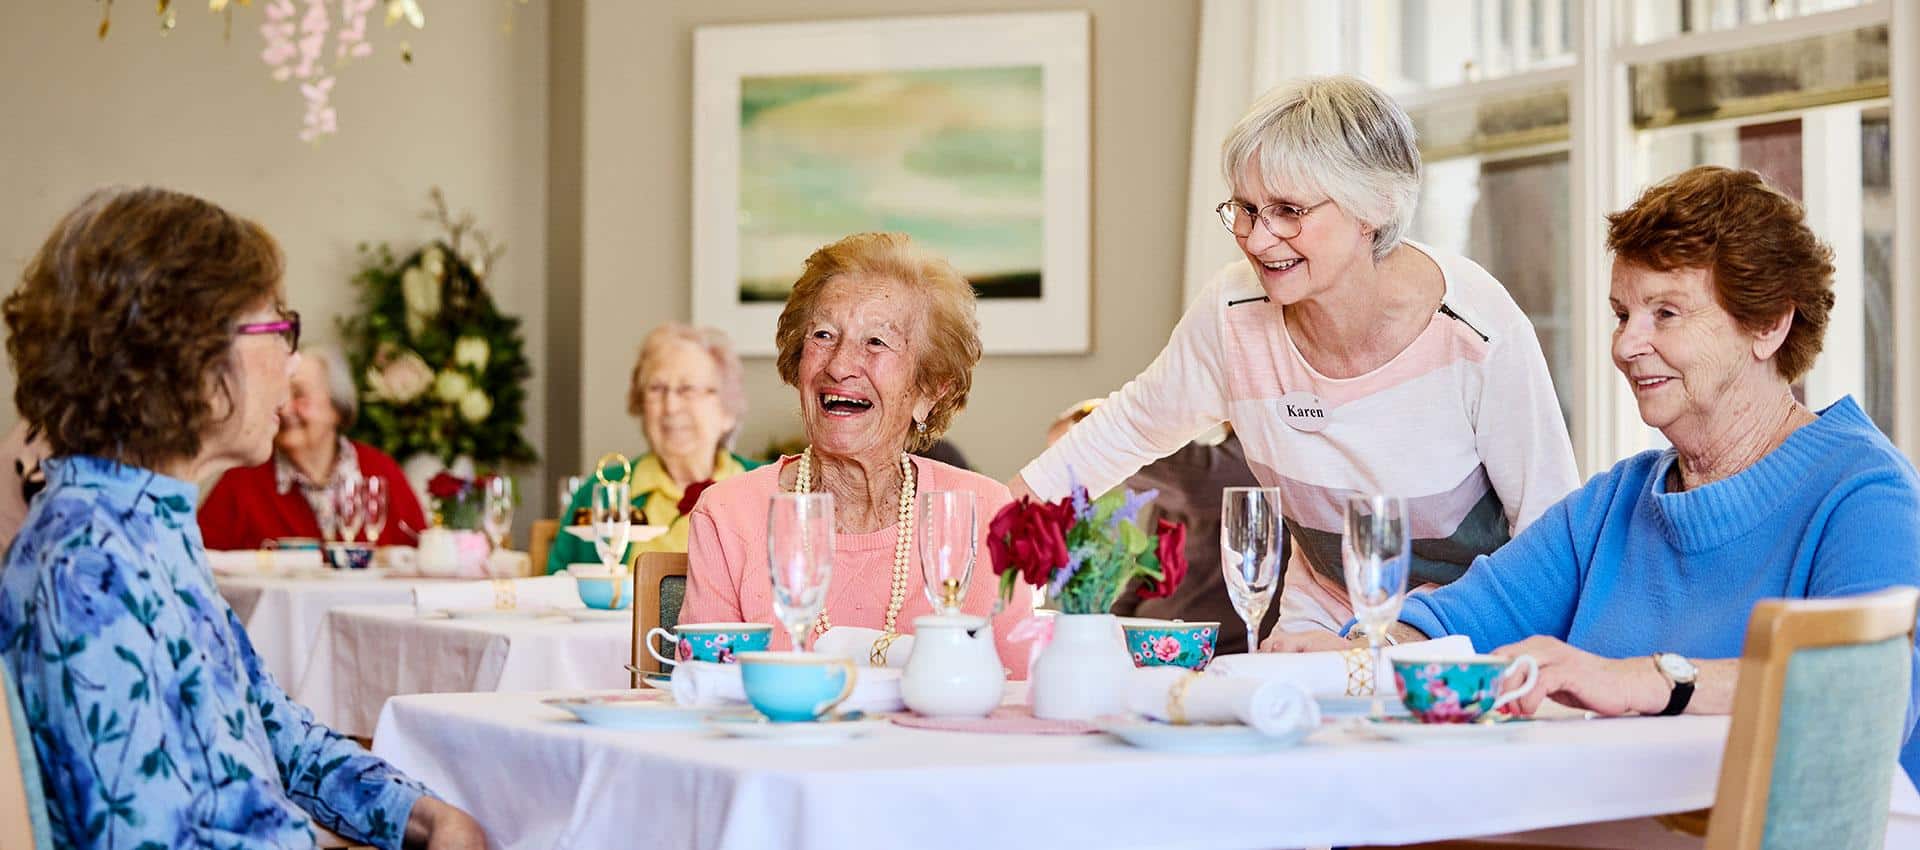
x,y
902,553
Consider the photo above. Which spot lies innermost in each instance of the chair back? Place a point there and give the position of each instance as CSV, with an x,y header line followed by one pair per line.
x,y
23,804
1818,718
659,589
540,542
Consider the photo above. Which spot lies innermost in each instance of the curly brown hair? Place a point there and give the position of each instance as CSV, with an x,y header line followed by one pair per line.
x,y
943,365
1761,257
121,325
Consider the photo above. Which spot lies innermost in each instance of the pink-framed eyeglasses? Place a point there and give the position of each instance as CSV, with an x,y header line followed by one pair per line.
x,y
287,329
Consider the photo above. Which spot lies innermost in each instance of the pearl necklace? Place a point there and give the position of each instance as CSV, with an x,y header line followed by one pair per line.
x,y
902,552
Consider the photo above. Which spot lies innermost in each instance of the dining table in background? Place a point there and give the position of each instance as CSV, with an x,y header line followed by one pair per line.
x,y
283,614
537,778
368,654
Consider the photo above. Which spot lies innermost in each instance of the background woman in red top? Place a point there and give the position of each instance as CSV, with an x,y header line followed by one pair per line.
x,y
285,496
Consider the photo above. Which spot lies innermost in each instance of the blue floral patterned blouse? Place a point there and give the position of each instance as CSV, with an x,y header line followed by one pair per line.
x,y
155,724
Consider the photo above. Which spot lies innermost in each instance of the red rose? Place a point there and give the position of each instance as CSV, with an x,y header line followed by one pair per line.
x,y
1031,537
444,486
692,496
1172,551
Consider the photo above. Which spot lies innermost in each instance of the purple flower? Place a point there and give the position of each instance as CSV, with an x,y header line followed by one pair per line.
x,y
1065,574
1130,507
1082,505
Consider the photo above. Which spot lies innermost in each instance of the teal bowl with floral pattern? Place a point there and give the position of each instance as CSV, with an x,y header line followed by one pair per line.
x,y
1170,643
1459,690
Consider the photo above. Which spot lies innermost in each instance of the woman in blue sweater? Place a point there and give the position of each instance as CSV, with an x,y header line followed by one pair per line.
x,y
1640,583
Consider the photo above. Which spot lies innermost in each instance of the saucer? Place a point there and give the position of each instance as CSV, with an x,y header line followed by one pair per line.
x,y
597,615
635,533
493,613
1200,738
365,574
631,710
1410,731
1345,706
829,728
662,681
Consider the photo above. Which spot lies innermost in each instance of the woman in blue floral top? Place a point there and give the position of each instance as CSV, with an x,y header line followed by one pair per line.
x,y
152,353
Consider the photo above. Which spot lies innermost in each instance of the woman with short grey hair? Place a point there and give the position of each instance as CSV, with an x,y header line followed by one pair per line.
x,y
1347,357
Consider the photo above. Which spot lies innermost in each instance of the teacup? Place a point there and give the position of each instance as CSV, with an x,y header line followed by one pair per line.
x,y
716,642
1459,690
346,556
1170,643
602,588
795,687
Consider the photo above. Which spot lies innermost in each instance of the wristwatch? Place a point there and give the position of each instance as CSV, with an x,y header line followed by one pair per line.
x,y
1679,673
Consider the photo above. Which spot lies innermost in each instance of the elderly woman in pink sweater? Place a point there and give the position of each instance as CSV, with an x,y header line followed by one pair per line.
x,y
880,339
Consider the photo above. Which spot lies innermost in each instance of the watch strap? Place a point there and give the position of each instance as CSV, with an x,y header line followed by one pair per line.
x,y
1682,694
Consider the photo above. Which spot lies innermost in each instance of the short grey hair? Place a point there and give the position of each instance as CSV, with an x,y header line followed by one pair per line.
x,y
340,389
717,345
1341,137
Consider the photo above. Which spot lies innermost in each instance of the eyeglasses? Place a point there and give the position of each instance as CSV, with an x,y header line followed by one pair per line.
x,y
287,329
1281,220
683,392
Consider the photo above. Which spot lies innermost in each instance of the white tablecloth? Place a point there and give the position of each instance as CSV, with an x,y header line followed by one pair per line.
x,y
537,779
367,654
283,616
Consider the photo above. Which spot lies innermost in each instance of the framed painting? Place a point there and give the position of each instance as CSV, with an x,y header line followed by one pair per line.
x,y
969,134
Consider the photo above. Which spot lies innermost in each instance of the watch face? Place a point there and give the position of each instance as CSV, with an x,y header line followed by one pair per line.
x,y
1677,668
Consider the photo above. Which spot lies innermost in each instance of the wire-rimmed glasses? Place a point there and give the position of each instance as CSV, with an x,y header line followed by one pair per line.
x,y
1282,220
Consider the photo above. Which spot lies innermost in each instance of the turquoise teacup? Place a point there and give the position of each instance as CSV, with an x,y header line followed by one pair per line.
x,y
1459,690
715,642
1170,643
602,588
795,687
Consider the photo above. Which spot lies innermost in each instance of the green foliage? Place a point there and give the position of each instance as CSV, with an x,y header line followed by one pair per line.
x,y
439,369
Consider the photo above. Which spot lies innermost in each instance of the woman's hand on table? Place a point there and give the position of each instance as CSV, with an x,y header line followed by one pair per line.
x,y
1581,679
438,825
1308,641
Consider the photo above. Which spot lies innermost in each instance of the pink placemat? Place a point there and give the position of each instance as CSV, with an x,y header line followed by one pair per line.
x,y
1006,720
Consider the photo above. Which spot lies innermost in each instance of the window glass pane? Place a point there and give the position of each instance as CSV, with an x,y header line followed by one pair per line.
x,y
1426,44
1476,205
1657,20
1775,78
1876,216
1493,125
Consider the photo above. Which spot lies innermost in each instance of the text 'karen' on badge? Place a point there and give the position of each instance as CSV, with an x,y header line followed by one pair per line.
x,y
1304,411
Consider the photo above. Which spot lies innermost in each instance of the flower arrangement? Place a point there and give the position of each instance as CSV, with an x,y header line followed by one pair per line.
x,y
440,370
1085,552
457,501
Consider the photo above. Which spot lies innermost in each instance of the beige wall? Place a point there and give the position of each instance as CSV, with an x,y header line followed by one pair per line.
x,y
638,194
191,113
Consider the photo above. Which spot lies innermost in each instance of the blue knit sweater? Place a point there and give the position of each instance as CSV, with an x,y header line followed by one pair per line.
x,y
1622,567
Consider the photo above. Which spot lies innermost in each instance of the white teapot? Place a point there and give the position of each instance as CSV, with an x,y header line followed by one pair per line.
x,y
439,553
954,670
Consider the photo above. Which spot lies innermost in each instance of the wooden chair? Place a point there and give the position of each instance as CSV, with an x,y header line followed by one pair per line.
x,y
659,589
540,542
23,804
1817,722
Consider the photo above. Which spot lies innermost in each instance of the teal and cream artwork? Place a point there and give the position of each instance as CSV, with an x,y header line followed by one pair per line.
x,y
952,157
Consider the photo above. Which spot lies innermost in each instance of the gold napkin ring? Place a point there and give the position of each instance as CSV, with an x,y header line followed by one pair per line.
x,y
1176,699
1360,680
600,467
504,598
878,657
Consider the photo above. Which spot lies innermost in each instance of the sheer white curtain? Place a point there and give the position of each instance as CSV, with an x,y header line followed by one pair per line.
x,y
1247,47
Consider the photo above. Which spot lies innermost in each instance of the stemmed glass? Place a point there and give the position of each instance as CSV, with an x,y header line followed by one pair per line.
x,y
1251,535
800,556
611,522
349,508
497,509
949,541
379,498
1376,551
565,490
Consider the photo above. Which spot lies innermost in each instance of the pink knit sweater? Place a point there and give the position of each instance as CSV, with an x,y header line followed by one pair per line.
x,y
727,578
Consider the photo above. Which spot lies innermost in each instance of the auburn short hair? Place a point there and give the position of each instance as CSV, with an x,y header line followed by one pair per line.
x,y
121,326
1761,257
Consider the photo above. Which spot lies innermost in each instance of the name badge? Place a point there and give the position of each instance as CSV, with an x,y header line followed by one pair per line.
x,y
1304,411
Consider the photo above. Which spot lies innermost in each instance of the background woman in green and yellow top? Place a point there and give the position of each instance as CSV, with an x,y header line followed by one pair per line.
x,y
686,392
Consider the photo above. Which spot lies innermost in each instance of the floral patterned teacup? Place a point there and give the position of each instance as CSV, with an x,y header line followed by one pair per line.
x,y
716,642
1459,690
1170,643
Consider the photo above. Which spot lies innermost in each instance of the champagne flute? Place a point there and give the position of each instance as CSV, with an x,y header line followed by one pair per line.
x,y
379,501
800,556
564,491
349,508
1251,536
1376,552
611,523
497,509
949,539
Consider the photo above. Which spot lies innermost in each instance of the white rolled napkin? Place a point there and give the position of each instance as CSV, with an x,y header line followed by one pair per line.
x,y
705,684
1324,674
856,645
555,591
244,561
1272,707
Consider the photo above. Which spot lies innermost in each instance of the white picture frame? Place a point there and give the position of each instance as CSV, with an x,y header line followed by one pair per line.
x,y
1055,322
